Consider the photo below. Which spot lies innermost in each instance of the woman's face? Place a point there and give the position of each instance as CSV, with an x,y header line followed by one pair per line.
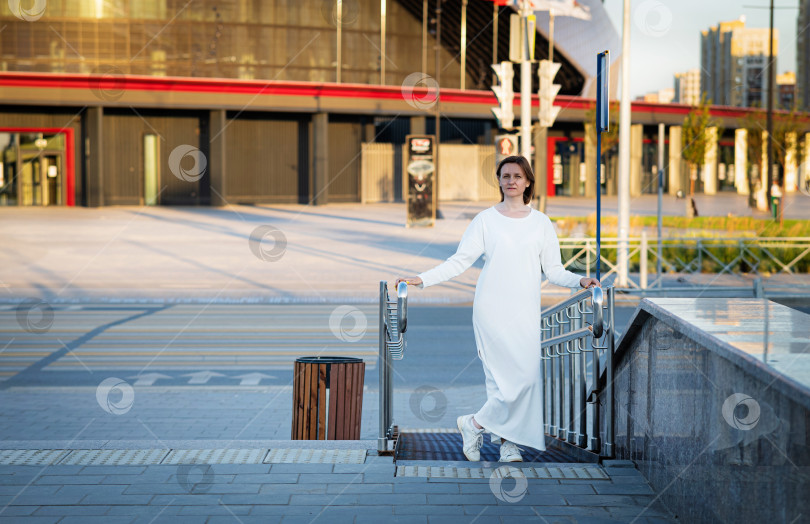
x,y
513,181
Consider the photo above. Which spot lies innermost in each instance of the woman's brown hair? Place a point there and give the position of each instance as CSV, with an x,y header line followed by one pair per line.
x,y
528,194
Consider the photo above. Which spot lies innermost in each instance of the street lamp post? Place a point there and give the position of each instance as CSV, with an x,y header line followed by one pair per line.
x,y
624,152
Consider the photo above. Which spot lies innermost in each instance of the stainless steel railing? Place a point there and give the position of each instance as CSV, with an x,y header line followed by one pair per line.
x,y
577,333
393,324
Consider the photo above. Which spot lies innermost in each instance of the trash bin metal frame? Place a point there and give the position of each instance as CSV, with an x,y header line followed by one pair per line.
x,y
393,322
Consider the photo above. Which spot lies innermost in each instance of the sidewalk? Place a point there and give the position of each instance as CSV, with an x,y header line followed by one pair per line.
x,y
243,254
354,487
239,467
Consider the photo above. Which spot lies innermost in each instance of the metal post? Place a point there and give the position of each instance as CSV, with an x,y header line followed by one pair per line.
x,y
551,35
339,38
624,152
565,399
424,35
643,261
594,443
525,87
582,415
463,44
769,176
494,37
560,348
660,199
382,42
599,200
437,106
572,378
382,363
544,374
609,430
552,419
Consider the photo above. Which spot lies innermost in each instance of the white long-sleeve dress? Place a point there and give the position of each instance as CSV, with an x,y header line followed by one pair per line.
x,y
506,314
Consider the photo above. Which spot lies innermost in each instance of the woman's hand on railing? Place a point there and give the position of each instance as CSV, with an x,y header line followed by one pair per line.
x,y
411,281
586,282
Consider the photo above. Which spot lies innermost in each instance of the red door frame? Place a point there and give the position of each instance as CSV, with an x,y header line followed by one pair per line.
x,y
550,150
70,161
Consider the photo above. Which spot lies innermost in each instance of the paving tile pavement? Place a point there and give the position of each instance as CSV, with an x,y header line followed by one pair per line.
x,y
327,493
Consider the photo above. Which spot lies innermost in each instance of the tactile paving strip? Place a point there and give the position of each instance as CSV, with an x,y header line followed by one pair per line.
x,y
31,457
316,456
215,456
114,457
536,472
430,430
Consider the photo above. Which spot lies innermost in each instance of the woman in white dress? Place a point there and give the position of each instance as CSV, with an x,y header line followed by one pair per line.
x,y
519,242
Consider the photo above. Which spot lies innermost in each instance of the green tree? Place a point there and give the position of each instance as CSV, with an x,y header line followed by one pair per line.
x,y
696,142
787,130
787,133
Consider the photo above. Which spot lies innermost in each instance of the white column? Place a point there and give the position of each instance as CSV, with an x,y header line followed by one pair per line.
x,y
636,152
674,170
791,178
710,163
741,161
762,193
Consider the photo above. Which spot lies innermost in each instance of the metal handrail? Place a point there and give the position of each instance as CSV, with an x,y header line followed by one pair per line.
x,y
393,323
569,349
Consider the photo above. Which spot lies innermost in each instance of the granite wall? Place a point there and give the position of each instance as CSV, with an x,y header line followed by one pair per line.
x,y
719,437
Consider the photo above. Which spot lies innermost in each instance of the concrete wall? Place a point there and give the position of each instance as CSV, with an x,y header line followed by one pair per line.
x,y
718,429
466,172
377,173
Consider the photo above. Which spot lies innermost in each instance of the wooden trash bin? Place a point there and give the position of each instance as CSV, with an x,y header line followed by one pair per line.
x,y
327,398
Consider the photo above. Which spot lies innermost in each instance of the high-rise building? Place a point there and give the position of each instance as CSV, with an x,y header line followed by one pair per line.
x,y
733,62
803,55
786,90
662,96
687,87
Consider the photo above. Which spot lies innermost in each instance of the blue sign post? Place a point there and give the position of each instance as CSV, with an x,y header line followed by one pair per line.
x,y
602,124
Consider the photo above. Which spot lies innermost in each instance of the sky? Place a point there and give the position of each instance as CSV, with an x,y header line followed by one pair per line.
x,y
665,34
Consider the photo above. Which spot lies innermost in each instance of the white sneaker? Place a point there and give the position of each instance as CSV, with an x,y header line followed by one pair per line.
x,y
510,452
472,437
